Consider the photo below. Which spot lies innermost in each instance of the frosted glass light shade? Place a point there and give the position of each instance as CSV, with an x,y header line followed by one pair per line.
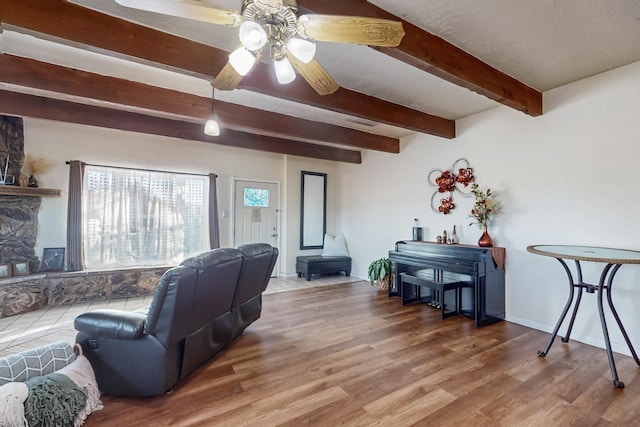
x,y
284,71
211,128
252,35
304,50
242,61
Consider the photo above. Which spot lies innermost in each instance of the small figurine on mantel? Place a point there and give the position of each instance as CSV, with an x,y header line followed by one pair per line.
x,y
448,239
454,236
23,180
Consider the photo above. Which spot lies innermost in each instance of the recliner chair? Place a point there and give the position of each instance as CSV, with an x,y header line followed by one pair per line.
x,y
217,285
258,262
197,309
134,354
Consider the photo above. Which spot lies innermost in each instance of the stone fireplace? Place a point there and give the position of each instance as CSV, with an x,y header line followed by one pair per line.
x,y
18,235
18,214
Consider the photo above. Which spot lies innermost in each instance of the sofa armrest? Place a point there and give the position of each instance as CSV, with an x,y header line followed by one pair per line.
x,y
117,324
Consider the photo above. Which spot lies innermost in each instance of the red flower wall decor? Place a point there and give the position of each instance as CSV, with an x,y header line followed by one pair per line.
x,y
444,181
446,205
465,176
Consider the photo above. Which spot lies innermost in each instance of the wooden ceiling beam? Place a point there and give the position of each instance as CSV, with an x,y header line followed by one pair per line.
x,y
23,105
69,81
348,102
284,126
77,25
435,55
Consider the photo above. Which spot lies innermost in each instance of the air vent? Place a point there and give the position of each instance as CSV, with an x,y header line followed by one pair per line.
x,y
363,122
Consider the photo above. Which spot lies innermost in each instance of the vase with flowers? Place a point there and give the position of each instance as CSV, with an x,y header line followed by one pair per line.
x,y
31,167
484,208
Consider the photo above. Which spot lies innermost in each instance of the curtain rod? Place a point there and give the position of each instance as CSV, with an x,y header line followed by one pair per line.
x,y
143,170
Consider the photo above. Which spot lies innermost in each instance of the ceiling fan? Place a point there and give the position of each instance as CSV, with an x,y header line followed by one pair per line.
x,y
276,27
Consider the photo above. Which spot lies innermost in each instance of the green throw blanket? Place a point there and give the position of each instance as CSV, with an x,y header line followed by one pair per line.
x,y
54,400
62,398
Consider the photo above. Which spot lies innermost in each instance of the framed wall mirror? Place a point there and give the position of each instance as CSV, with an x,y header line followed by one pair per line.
x,y
313,210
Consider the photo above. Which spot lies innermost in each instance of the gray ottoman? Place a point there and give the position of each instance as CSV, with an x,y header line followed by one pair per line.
x,y
317,264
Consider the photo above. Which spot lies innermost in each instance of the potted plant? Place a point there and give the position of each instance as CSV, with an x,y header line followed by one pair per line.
x,y
381,271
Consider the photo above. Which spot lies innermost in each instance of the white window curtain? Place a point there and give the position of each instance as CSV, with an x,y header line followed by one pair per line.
x,y
142,218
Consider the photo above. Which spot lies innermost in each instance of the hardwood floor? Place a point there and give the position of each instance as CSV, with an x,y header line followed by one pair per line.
x,y
348,355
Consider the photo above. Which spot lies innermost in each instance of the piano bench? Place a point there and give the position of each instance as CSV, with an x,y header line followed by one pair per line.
x,y
317,264
411,288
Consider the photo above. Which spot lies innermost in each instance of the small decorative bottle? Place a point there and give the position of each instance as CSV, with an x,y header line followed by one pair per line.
x,y
417,230
445,239
454,236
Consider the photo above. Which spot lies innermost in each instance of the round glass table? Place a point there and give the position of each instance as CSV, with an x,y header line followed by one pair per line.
x,y
613,260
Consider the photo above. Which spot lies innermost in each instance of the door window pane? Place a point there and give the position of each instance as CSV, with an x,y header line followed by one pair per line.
x,y
256,197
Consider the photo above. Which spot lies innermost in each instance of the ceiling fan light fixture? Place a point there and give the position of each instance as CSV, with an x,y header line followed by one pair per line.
x,y
275,26
252,35
304,50
284,71
242,61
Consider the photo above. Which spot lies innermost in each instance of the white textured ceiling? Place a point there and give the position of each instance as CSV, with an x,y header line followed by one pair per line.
x,y
542,43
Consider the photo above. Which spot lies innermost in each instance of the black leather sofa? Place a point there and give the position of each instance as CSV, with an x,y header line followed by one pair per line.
x,y
198,308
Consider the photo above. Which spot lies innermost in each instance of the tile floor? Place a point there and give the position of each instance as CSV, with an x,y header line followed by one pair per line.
x,y
50,324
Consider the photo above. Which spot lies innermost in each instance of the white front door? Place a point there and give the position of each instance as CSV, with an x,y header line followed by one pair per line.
x,y
256,214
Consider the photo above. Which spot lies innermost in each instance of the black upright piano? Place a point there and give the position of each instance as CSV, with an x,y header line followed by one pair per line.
x,y
468,280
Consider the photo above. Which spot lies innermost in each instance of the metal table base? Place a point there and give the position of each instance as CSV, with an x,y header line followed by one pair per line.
x,y
604,286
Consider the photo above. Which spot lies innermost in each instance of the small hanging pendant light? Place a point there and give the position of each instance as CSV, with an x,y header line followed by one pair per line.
x,y
211,127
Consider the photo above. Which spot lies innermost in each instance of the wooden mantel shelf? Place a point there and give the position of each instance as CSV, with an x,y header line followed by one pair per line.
x,y
11,190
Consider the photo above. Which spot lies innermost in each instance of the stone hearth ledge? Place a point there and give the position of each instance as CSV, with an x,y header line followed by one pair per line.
x,y
21,294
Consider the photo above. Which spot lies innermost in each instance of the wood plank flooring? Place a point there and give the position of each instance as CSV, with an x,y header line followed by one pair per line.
x,y
348,355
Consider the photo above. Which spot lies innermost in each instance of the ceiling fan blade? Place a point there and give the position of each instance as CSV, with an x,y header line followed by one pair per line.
x,y
351,29
227,79
186,9
315,75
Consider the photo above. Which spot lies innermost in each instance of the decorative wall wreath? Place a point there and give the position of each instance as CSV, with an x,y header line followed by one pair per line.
x,y
445,181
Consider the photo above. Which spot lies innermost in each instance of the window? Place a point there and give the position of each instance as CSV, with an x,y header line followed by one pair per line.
x,y
141,218
256,197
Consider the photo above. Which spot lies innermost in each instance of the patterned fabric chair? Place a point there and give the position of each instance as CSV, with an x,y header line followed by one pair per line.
x,y
47,385
36,362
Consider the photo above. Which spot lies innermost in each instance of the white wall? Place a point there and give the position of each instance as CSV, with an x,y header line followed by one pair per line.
x,y
59,142
567,177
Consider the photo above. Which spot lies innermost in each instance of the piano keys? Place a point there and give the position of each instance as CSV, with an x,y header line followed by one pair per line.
x,y
471,277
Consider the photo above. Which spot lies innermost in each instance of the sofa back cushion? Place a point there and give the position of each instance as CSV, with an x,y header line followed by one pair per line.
x,y
258,262
169,316
218,272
